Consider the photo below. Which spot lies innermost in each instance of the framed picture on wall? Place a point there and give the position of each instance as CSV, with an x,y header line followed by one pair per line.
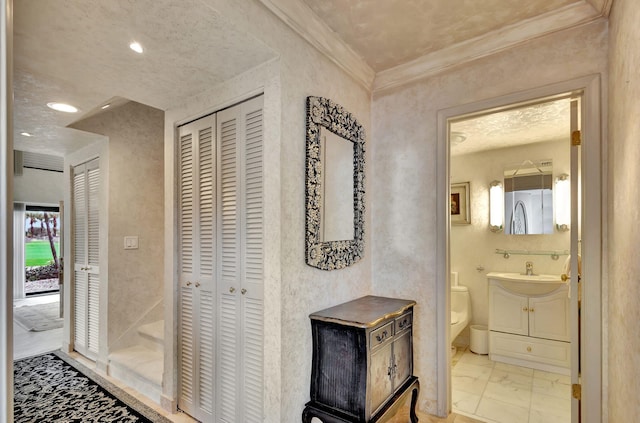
x,y
460,210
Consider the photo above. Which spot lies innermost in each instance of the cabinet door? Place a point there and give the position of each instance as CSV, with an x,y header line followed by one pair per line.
x,y
508,312
403,360
549,316
380,381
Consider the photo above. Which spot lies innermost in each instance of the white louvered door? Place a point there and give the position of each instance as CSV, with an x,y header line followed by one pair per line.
x,y
221,260
197,263
86,253
240,284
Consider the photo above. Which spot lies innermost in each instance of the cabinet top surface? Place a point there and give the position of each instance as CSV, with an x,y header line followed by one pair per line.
x,y
365,312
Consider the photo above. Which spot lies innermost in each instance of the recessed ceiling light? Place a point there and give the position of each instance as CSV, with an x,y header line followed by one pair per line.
x,y
61,107
135,46
106,106
25,134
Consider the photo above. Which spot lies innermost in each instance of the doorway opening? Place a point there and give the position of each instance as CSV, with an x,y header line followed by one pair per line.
x,y
503,369
37,312
41,250
501,249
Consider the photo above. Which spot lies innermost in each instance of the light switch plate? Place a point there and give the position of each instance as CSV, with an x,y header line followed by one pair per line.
x,y
130,242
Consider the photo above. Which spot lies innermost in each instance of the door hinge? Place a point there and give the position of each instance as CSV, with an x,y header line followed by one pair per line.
x,y
576,138
576,391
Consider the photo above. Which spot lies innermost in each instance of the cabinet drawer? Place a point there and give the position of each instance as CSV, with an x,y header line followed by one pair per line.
x,y
403,322
381,335
555,353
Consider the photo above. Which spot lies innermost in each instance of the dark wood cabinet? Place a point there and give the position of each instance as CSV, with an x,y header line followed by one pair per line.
x,y
362,368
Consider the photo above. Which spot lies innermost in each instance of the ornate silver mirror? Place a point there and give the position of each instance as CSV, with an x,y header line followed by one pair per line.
x,y
334,186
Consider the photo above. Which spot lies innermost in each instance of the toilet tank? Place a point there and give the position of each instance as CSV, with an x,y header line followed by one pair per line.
x,y
460,299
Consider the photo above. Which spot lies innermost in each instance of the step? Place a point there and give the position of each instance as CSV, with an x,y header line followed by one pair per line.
x,y
152,335
139,367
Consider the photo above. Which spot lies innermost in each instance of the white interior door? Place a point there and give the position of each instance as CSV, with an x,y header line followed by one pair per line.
x,y
240,305
86,256
576,231
197,176
220,352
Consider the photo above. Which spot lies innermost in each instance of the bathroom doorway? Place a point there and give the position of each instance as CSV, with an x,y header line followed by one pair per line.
x,y
500,386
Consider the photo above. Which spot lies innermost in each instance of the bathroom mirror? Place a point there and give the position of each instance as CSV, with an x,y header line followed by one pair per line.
x,y
528,198
334,186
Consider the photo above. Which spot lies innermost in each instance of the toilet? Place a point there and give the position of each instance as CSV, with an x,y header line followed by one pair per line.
x,y
460,311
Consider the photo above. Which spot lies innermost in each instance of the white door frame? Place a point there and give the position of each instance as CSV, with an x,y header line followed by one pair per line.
x,y
592,237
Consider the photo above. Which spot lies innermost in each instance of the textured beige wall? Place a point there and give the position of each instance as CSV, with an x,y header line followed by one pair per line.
x,y
474,245
136,137
293,290
404,168
624,230
306,289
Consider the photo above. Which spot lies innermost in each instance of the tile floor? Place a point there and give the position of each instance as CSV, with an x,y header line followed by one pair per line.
x,y
502,393
27,343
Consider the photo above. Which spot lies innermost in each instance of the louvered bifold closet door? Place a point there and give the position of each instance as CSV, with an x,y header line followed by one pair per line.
x,y
240,254
86,253
197,226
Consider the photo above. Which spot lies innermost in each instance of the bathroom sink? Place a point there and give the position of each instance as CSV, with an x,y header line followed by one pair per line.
x,y
527,284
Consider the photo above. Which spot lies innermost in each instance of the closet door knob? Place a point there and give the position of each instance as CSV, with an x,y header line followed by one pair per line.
x,y
188,283
232,290
525,309
197,284
243,291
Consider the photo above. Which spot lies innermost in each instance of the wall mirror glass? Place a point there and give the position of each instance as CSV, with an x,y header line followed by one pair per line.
x,y
334,186
528,198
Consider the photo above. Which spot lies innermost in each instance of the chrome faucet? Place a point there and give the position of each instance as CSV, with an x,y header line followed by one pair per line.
x,y
529,267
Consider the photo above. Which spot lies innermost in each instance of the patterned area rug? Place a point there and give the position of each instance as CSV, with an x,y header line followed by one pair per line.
x,y
55,388
39,317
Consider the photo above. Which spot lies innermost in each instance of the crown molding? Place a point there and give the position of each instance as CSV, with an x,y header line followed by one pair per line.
x,y
299,17
602,6
487,44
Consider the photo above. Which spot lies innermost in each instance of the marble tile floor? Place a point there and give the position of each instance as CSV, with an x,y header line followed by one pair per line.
x,y
27,343
502,393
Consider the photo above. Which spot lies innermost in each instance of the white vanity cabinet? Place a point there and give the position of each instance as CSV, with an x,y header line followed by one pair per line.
x,y
529,329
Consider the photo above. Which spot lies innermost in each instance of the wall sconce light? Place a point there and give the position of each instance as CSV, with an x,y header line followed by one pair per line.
x,y
496,206
562,204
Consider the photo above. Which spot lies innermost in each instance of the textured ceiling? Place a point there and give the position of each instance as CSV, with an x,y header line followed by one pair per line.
x,y
392,32
76,51
525,125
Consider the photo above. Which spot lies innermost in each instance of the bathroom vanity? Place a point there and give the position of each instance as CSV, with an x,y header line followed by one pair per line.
x,y
362,368
529,321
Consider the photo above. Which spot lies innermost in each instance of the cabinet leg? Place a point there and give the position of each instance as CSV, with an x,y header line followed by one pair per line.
x,y
414,403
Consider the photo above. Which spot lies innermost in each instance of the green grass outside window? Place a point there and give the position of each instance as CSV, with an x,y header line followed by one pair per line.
x,y
38,253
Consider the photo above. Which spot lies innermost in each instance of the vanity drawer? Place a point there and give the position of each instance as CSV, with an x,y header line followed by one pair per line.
x,y
403,322
381,335
555,353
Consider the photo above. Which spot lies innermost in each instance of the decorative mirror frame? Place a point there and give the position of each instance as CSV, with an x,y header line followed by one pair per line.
x,y
331,255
